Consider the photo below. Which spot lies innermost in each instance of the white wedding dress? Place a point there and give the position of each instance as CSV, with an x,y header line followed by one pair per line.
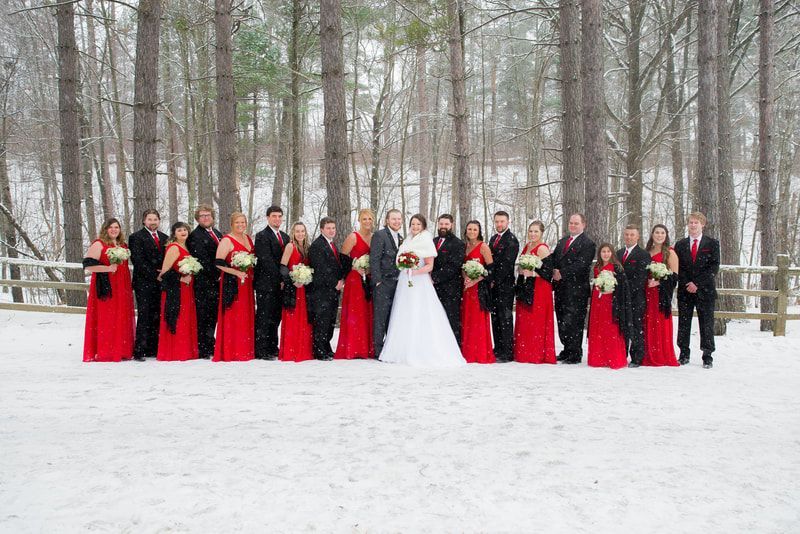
x,y
419,333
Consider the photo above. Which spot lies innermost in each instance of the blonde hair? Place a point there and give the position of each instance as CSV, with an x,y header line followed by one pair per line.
x,y
699,216
236,215
301,247
366,211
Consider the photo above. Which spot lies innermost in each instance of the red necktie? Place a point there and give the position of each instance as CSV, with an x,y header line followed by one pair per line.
x,y
441,242
497,239
280,239
155,238
213,235
694,250
625,256
335,252
569,242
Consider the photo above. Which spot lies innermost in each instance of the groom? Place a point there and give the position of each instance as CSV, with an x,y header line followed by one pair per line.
x,y
383,268
446,274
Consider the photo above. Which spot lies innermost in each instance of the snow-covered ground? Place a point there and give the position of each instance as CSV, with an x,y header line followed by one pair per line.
x,y
369,447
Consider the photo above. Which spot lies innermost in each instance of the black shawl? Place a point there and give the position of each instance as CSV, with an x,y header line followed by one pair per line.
x,y
230,285
621,304
665,289
289,295
524,287
102,282
485,290
171,286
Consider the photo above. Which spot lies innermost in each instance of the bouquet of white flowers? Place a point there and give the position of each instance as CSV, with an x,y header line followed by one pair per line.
x,y
301,274
474,269
605,282
189,265
658,270
117,255
529,262
243,261
362,262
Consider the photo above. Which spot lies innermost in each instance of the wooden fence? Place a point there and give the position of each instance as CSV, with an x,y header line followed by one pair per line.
x,y
782,272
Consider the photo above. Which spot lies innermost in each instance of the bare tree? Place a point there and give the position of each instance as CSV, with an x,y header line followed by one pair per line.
x,y
7,230
296,195
461,179
145,106
571,153
335,117
228,180
707,123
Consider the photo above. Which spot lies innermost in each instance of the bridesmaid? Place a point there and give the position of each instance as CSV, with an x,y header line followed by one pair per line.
x,y
608,315
236,323
355,326
534,333
659,349
295,342
110,323
476,330
177,337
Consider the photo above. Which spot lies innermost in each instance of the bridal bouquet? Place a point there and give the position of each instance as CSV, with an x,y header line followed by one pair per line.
x,y
243,261
301,274
529,262
658,270
474,269
605,282
189,265
117,255
408,261
362,262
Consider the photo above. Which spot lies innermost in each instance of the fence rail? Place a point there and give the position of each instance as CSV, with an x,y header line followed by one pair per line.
x,y
781,293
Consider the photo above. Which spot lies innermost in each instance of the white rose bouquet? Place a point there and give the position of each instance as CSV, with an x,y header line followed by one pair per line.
x,y
658,270
189,265
529,262
362,262
474,269
605,282
117,255
301,274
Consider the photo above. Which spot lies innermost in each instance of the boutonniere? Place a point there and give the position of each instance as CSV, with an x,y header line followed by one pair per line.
x,y
705,250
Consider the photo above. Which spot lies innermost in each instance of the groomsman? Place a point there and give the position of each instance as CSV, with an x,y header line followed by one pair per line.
x,y
384,274
147,254
446,274
323,291
698,264
202,244
634,260
505,249
269,246
572,263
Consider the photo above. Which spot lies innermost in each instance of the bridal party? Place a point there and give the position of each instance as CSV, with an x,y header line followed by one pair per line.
x,y
425,294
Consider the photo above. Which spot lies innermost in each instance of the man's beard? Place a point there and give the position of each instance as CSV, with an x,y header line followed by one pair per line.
x,y
445,233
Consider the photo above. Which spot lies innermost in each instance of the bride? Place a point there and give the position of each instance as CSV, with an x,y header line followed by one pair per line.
x,y
419,333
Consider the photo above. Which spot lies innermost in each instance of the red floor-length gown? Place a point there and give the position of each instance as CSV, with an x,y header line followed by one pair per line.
x,y
659,349
236,325
534,333
182,345
355,330
606,343
110,323
296,335
476,327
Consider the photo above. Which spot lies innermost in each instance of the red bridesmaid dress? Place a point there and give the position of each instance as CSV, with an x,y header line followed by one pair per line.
x,y
110,323
606,343
659,349
182,345
476,328
534,331
236,325
296,337
355,326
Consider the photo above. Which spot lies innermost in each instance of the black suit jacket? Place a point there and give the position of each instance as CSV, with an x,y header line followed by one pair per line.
x,y
635,266
703,271
446,273
574,265
203,247
504,256
327,271
382,257
146,258
269,251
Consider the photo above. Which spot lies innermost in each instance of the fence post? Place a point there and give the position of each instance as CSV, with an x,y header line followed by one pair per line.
x,y
782,300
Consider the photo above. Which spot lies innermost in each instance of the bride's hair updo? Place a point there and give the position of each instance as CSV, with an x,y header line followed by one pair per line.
x,y
422,220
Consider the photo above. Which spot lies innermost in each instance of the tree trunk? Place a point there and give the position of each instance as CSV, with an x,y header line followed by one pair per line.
x,y
571,146
766,156
673,133
284,150
7,230
70,146
169,127
633,160
145,107
707,121
593,108
228,180
461,177
251,194
423,136
377,127
294,62
334,116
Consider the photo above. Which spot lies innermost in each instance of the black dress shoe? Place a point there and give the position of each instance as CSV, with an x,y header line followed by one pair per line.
x,y
561,357
571,361
139,358
708,365
683,361
502,360
206,357
634,365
